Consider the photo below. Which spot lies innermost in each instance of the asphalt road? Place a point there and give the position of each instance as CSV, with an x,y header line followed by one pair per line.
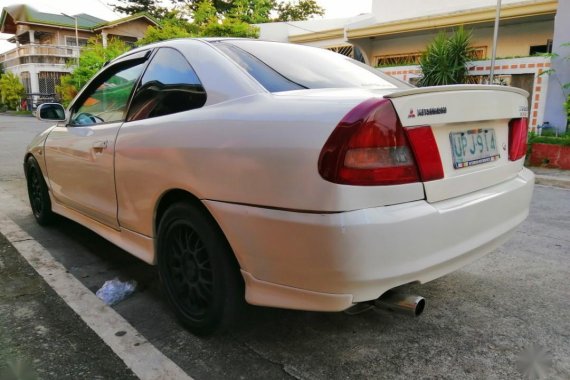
x,y
479,321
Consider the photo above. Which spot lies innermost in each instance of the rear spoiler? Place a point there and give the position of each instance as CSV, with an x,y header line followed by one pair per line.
x,y
455,87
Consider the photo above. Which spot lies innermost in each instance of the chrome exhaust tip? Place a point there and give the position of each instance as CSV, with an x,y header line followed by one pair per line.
x,y
401,303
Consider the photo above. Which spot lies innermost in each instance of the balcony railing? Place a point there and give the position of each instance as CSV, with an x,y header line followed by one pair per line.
x,y
48,54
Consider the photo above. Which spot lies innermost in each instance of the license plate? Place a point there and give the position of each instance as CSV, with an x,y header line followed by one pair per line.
x,y
473,147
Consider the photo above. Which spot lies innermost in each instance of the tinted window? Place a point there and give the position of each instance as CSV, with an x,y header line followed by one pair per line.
x,y
265,75
108,101
169,85
315,68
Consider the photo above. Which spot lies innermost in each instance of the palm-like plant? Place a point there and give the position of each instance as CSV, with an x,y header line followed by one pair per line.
x,y
445,60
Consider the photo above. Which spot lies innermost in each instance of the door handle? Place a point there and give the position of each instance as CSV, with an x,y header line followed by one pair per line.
x,y
100,145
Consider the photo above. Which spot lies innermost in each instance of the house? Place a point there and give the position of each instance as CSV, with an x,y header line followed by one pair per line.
x,y
46,43
395,33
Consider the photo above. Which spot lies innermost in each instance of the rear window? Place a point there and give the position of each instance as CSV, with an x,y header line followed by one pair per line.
x,y
265,75
292,67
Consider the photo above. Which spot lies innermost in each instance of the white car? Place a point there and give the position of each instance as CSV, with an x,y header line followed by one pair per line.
x,y
287,175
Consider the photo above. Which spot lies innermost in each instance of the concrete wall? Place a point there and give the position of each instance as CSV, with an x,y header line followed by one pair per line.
x,y
555,113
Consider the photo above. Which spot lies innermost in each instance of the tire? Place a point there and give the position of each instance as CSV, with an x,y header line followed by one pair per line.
x,y
38,193
198,270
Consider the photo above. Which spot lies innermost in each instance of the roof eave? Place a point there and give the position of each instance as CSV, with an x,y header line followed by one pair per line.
x,y
477,16
134,17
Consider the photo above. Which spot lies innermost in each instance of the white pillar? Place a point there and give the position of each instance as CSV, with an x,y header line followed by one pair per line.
x,y
104,38
34,81
32,37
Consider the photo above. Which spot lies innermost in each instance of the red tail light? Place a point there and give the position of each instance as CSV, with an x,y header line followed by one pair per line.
x,y
426,152
518,131
369,147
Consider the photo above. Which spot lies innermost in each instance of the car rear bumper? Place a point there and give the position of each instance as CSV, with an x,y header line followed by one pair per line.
x,y
327,262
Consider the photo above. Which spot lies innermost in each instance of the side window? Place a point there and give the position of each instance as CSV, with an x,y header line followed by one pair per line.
x,y
108,101
169,85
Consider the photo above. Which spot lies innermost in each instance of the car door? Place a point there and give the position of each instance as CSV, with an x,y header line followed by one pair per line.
x,y
79,154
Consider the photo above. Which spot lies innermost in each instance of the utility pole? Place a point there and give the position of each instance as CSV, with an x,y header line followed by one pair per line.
x,y
76,35
78,51
495,37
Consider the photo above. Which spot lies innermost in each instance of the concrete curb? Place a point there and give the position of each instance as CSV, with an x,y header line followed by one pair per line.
x,y
548,180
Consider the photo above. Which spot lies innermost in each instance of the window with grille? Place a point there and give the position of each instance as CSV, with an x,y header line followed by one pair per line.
x,y
48,80
347,50
70,41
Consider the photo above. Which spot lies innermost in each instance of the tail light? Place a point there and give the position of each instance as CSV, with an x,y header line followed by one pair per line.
x,y
370,147
518,131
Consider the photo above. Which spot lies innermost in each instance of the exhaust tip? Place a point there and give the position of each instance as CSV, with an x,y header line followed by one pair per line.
x,y
401,303
420,307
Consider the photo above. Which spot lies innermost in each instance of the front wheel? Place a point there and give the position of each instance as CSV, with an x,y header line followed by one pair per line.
x,y
38,193
198,270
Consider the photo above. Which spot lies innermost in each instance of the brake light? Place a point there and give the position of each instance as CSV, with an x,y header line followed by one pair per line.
x,y
369,147
518,131
426,152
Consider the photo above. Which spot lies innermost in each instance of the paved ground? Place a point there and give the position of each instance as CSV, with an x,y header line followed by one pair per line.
x,y
40,335
478,323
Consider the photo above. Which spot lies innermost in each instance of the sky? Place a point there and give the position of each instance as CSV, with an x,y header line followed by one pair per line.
x,y
101,9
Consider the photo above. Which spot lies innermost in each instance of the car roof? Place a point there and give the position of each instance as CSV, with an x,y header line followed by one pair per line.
x,y
176,41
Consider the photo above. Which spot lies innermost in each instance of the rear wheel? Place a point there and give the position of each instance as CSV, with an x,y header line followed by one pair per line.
x,y
198,270
38,193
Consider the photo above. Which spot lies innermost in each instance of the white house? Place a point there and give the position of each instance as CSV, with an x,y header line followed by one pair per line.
x,y
45,43
395,33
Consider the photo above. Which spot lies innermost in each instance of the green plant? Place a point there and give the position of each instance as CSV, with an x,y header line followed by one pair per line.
x,y
445,59
563,139
92,59
11,90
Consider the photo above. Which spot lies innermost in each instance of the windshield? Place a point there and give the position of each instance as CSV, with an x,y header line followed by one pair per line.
x,y
296,66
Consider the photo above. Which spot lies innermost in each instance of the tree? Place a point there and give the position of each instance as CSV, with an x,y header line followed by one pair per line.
x,y
303,10
167,29
91,60
256,11
132,7
230,27
252,11
207,22
446,58
11,90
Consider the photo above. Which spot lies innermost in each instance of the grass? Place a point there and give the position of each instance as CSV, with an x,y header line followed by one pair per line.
x,y
563,139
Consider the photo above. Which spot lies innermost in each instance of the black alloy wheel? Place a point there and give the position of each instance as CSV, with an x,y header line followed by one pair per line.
x,y
38,193
198,270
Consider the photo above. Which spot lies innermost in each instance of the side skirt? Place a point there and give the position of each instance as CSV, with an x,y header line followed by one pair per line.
x,y
136,244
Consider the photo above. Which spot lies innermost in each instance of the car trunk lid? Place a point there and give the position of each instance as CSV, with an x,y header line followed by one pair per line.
x,y
470,124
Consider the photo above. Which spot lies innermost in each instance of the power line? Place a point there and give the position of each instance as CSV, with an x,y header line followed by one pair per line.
x,y
106,6
299,27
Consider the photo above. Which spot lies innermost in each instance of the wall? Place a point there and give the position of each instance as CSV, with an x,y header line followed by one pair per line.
x,y
514,40
135,28
529,65
555,113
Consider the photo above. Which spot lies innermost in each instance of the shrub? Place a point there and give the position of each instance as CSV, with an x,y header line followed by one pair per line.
x,y
11,90
445,60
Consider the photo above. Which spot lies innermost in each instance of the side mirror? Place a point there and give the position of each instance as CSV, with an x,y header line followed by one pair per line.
x,y
50,111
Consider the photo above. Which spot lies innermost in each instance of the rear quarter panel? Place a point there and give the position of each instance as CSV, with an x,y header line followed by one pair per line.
x,y
260,150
